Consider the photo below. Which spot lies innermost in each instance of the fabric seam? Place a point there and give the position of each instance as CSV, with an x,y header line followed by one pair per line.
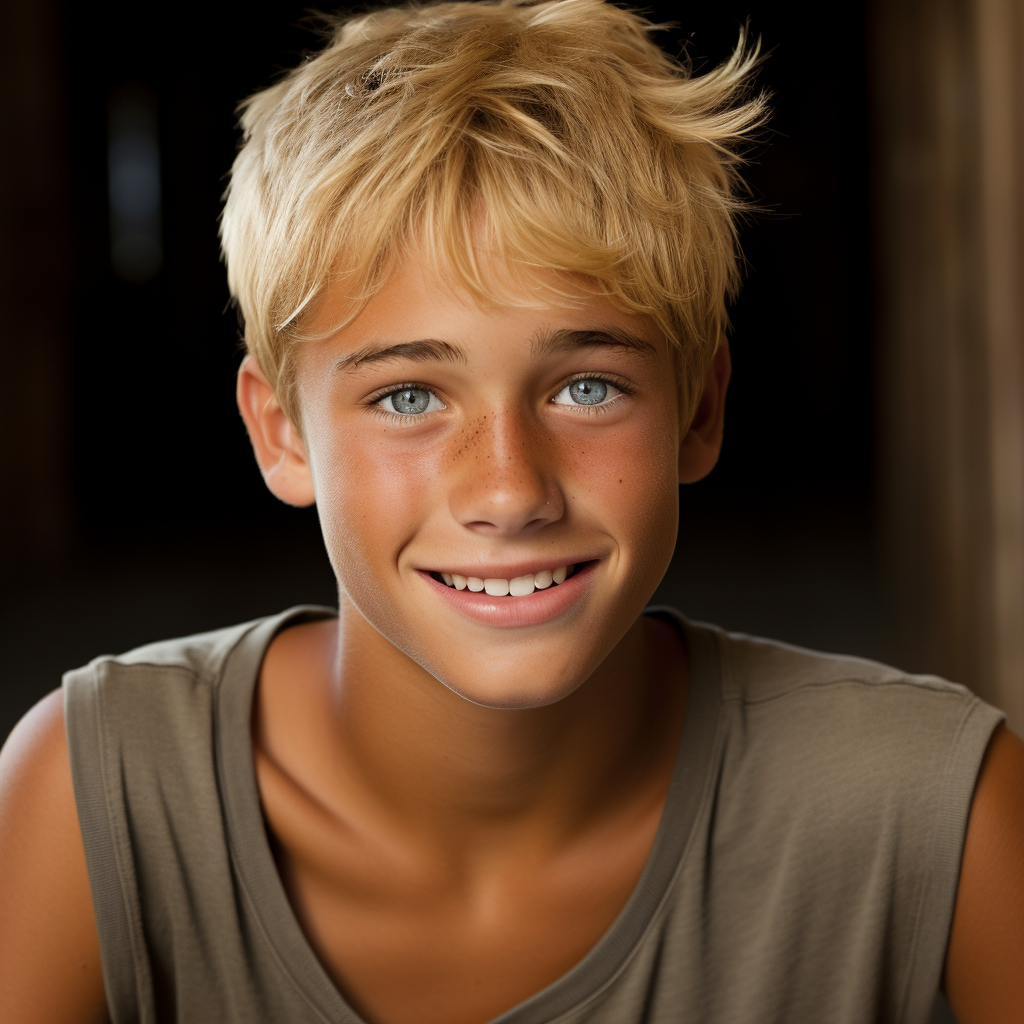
x,y
239,874
122,861
903,681
927,884
660,910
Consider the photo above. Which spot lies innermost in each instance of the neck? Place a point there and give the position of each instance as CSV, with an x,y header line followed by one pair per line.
x,y
398,743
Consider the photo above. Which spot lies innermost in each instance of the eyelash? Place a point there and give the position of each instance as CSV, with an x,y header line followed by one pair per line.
x,y
393,389
589,410
595,410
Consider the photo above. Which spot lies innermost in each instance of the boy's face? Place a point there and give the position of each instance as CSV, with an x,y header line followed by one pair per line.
x,y
441,440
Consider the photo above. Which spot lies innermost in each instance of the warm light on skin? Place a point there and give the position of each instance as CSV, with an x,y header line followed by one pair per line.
x,y
495,473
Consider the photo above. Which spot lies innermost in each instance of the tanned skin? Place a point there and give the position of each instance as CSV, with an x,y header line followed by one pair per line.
x,y
473,801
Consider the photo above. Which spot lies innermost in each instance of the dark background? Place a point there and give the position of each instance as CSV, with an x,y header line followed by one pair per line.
x,y
164,525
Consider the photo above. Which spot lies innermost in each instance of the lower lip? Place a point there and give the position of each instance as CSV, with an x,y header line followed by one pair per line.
x,y
539,607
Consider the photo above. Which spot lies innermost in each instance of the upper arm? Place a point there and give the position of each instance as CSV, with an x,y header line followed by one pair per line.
x,y
984,976
49,950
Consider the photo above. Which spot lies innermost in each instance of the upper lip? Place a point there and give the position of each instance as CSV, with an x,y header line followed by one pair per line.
x,y
509,570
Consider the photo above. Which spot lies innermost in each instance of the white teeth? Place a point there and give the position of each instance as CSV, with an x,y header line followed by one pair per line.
x,y
520,586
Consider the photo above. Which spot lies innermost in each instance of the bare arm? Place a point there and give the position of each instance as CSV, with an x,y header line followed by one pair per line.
x,y
50,970
984,976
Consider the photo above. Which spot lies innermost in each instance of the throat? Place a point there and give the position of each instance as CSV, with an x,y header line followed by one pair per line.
x,y
397,752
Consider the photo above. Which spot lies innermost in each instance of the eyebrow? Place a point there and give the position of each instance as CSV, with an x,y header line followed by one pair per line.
x,y
564,340
423,350
545,343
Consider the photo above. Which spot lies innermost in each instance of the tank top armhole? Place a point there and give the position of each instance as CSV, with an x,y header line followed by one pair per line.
x,y
95,773
938,892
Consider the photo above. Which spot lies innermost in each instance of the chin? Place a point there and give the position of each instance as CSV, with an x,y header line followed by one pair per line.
x,y
518,672
508,698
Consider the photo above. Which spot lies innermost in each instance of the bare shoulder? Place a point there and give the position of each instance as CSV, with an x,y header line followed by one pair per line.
x,y
983,979
48,942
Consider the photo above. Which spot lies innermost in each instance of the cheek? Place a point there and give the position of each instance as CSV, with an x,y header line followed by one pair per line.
x,y
371,496
630,473
626,482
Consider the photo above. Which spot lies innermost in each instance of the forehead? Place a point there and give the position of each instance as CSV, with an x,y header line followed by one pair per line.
x,y
424,315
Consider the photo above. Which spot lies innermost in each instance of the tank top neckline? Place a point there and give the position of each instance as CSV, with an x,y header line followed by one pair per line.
x,y
261,886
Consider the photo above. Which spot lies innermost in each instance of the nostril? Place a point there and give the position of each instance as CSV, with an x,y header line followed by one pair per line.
x,y
490,506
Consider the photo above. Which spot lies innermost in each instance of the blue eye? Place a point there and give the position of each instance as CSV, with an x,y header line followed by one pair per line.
x,y
588,391
411,401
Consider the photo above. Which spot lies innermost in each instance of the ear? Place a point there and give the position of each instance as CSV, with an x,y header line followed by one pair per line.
x,y
700,446
279,450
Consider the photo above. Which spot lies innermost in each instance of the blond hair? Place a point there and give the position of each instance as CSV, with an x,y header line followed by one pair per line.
x,y
556,132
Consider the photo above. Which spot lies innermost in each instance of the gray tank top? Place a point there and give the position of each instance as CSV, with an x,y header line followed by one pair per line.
x,y
804,871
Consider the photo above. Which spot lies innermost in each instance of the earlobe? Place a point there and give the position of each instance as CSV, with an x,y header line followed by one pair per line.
x,y
276,443
700,446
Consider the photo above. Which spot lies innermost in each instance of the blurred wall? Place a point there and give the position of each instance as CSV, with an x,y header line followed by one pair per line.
x,y
949,103
35,267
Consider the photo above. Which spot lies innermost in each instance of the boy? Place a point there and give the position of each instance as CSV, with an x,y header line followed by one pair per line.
x,y
482,253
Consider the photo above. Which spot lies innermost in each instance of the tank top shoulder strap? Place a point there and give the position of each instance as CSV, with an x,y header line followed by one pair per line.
x,y
142,738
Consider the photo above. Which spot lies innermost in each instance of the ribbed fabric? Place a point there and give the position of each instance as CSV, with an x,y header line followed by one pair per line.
x,y
804,870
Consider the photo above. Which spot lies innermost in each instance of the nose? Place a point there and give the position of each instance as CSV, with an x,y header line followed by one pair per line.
x,y
503,481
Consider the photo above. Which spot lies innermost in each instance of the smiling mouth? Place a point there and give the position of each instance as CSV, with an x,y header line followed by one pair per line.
x,y
518,586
